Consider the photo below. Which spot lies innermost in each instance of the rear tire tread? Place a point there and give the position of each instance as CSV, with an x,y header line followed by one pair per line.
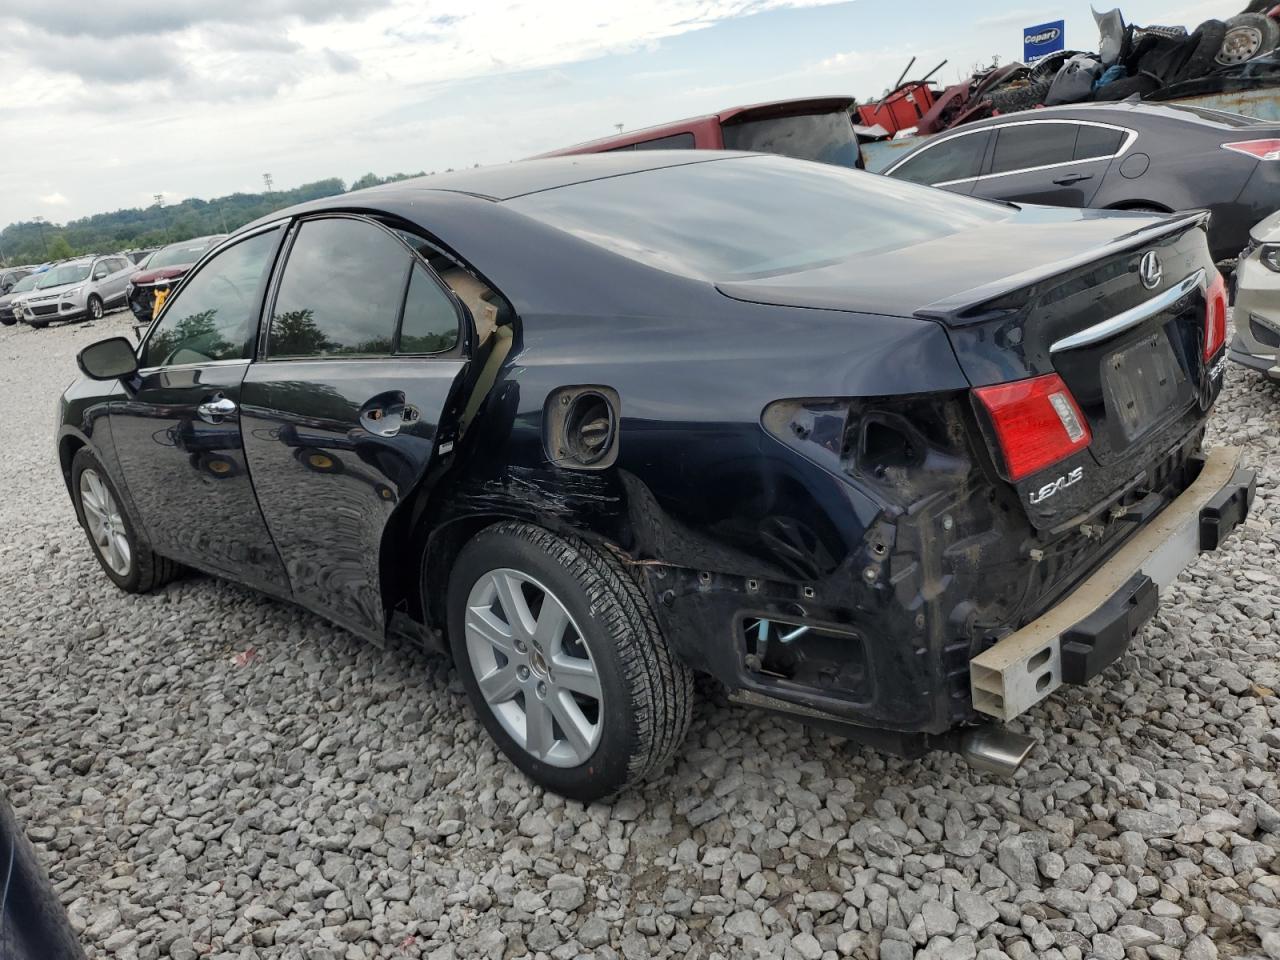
x,y
663,708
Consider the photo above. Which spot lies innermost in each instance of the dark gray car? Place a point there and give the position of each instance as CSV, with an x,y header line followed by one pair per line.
x,y
1123,156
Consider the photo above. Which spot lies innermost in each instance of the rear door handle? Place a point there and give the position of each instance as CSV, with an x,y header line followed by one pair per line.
x,y
1073,178
217,409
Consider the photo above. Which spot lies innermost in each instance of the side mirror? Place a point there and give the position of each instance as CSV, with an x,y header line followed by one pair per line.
x,y
111,359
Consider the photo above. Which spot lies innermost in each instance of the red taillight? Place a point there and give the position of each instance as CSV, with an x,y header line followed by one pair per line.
x,y
1036,421
1215,316
1261,149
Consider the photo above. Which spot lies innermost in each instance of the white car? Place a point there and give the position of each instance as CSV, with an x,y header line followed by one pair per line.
x,y
1257,307
80,289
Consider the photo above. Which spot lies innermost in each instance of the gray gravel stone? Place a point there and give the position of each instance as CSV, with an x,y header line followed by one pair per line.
x,y
211,775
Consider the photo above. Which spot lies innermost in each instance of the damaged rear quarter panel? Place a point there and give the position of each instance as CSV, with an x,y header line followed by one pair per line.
x,y
701,499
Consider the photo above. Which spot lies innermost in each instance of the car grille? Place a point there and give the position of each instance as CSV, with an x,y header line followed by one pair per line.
x,y
44,309
1266,335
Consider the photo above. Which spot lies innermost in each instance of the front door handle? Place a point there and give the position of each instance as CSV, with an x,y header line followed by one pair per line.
x,y
217,409
1073,178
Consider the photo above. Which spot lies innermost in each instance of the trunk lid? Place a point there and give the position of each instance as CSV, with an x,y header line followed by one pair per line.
x,y
1044,294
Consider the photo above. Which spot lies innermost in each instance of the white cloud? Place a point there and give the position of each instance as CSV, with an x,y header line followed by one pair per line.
x,y
54,199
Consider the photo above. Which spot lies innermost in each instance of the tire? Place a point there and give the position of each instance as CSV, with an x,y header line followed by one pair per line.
x,y
93,308
142,570
1246,36
1013,99
7,319
645,695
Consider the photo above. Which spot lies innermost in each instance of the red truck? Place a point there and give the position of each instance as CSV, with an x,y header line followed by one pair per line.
x,y
817,128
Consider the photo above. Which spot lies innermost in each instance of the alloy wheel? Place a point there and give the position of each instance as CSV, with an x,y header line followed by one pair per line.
x,y
95,308
534,668
106,524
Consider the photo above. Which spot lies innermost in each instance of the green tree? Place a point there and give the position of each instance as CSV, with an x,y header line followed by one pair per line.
x,y
59,249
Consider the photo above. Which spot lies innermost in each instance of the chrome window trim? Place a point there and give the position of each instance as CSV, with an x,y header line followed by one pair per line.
x,y
1130,137
1131,317
196,365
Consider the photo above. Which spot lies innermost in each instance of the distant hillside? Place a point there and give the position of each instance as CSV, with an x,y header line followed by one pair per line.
x,y
31,242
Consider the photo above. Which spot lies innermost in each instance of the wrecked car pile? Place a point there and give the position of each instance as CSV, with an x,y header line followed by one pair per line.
x,y
1152,62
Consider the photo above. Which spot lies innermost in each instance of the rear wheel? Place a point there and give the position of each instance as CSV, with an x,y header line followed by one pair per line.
x,y
120,552
564,662
94,307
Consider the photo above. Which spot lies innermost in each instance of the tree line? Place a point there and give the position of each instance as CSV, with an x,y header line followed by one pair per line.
x,y
32,241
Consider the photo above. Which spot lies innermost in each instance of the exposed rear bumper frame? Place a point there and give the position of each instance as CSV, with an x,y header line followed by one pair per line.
x,y
1093,626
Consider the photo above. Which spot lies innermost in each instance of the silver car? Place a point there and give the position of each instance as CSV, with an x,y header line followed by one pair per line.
x,y
1257,307
80,289
11,302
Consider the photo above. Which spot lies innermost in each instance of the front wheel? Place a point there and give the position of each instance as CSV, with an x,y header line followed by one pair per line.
x,y
123,556
95,307
563,661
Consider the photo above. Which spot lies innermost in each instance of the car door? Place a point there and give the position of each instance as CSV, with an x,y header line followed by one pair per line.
x,y
1055,162
118,271
952,162
342,411
177,432
98,278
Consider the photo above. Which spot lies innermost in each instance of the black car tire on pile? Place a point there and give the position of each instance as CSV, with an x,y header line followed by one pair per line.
x,y
1013,99
1268,32
646,692
147,570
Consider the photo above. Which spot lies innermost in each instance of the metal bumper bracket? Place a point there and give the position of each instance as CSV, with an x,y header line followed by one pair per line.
x,y
1094,624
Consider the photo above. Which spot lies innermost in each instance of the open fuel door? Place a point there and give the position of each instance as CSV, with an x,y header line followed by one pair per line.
x,y
348,404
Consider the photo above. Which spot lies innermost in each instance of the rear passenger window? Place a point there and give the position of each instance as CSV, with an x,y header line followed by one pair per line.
x,y
1095,142
430,321
341,292
957,158
1029,145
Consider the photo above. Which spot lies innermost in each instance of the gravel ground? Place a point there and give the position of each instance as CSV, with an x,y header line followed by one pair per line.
x,y
208,773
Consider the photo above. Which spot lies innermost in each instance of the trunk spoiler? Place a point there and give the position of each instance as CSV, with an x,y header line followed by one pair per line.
x,y
949,309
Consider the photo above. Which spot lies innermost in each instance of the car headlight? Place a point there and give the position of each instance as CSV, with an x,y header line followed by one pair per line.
x,y
73,292
1270,256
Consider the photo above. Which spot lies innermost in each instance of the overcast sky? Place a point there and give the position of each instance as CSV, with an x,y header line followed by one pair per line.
x,y
107,102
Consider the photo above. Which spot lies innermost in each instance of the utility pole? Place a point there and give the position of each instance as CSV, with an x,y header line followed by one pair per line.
x,y
159,199
43,243
266,178
618,127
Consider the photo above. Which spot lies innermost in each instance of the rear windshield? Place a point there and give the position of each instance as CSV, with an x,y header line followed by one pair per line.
x,y
825,137
748,217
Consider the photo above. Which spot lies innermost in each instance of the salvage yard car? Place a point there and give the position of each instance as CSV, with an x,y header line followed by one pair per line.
x,y
82,289
815,128
593,424
1257,303
1124,156
161,273
11,302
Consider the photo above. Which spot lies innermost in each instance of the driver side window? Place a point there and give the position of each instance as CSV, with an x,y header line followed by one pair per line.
x,y
214,316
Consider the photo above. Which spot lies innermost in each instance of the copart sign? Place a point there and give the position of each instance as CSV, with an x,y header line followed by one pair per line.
x,y
1042,40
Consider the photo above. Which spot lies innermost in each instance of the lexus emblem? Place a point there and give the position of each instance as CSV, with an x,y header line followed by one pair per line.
x,y
1149,270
